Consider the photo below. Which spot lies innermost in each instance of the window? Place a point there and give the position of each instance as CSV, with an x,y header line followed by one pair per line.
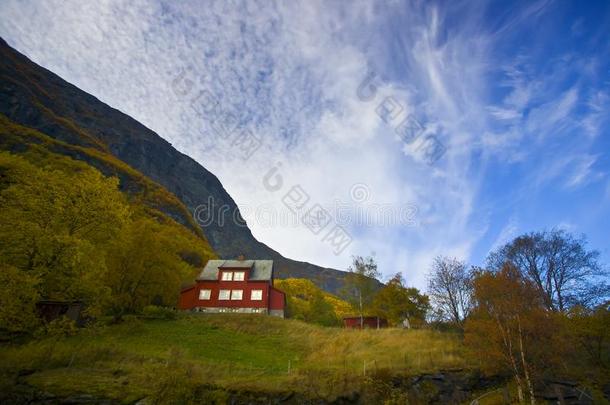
x,y
205,294
238,276
236,294
227,276
256,295
224,294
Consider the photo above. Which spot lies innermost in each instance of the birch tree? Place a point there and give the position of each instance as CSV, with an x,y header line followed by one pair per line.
x,y
509,329
450,289
361,283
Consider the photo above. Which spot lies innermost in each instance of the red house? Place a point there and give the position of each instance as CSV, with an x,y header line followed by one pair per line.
x,y
244,286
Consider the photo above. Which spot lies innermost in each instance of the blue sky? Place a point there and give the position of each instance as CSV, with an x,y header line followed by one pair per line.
x,y
517,92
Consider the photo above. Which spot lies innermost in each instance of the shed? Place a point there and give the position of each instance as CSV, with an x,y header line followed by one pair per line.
x,y
365,322
50,310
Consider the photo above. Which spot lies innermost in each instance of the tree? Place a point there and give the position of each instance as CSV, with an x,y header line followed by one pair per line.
x,y
561,267
591,330
307,302
145,264
322,311
509,328
18,297
396,302
450,289
68,233
53,226
361,283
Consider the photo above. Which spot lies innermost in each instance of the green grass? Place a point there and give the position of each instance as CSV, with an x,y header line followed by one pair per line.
x,y
202,340
248,352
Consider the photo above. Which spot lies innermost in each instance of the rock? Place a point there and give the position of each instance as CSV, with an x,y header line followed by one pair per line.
x,y
25,372
287,397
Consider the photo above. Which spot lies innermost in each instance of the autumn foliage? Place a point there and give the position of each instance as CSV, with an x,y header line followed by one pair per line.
x,y
396,302
512,331
68,233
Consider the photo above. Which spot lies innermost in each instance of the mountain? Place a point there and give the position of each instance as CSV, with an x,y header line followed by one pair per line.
x,y
79,125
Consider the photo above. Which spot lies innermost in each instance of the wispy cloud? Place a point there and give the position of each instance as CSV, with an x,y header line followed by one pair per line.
x,y
598,112
506,234
583,171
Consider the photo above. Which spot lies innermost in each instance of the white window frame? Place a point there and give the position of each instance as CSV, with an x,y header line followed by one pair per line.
x,y
258,297
224,295
205,294
236,293
227,276
239,276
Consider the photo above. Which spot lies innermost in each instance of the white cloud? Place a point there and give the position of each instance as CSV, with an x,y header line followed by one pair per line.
x,y
504,113
598,105
583,171
567,226
552,117
507,233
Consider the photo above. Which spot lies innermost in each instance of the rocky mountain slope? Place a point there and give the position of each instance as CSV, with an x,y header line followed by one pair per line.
x,y
85,128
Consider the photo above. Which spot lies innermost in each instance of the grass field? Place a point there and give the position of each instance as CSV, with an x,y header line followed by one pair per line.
x,y
155,357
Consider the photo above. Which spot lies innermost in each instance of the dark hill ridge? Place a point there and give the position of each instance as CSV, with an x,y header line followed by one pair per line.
x,y
37,98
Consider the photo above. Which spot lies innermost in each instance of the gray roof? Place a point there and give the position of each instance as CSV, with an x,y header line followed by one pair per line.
x,y
262,270
246,264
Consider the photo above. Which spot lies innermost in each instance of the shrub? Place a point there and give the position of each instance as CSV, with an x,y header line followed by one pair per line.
x,y
157,312
60,327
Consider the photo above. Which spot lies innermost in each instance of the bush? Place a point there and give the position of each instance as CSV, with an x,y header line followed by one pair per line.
x,y
60,327
156,312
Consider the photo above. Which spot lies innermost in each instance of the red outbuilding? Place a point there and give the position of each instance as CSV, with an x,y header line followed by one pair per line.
x,y
366,322
244,286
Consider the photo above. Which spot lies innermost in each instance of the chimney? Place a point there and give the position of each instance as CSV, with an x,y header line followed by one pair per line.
x,y
241,258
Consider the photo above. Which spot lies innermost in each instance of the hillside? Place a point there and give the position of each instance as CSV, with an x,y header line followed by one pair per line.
x,y
229,355
77,124
37,146
68,233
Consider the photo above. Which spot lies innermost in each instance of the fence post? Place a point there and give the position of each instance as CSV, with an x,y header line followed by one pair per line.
x,y
71,360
